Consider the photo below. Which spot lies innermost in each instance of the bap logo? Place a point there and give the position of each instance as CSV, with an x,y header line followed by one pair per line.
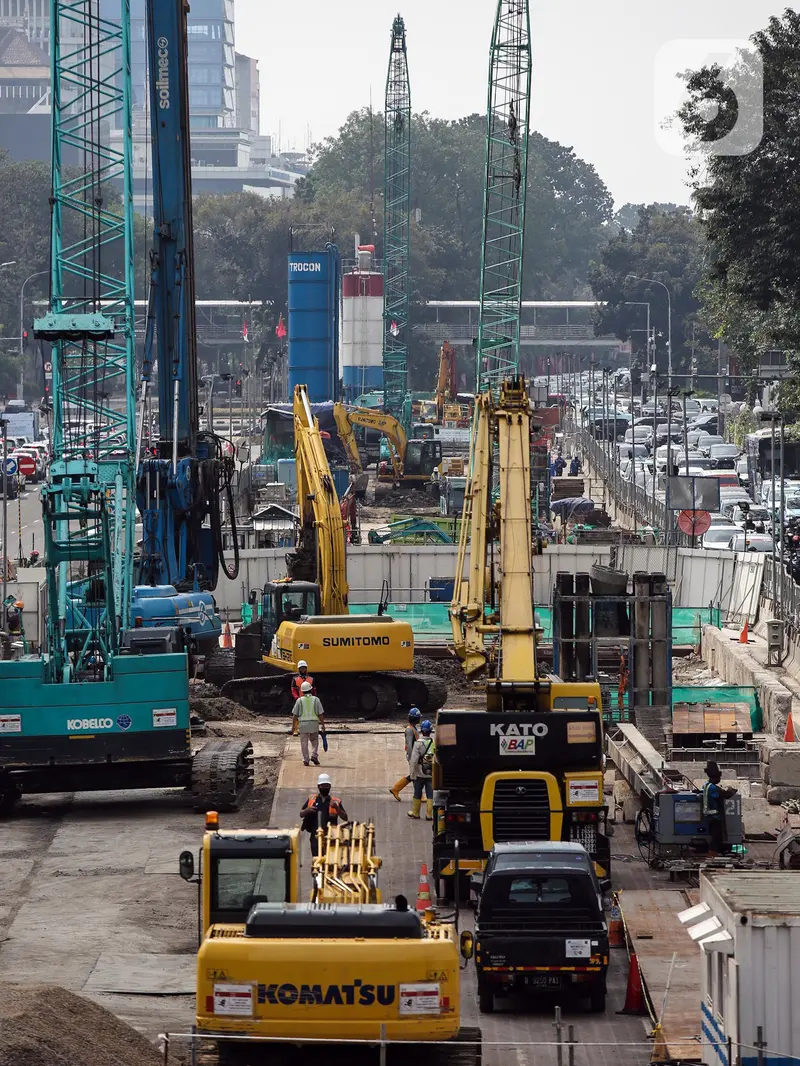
x,y
516,739
124,721
365,995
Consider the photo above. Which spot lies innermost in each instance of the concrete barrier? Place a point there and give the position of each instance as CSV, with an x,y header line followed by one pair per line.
x,y
733,663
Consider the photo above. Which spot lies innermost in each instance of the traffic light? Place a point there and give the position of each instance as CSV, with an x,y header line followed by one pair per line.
x,y
25,340
237,390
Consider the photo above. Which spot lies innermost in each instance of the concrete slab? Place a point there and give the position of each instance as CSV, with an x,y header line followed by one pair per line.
x,y
143,974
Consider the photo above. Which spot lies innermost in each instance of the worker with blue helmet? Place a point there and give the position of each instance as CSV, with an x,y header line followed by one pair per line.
x,y
411,737
421,769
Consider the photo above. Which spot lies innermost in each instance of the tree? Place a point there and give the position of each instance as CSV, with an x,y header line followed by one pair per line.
x,y
748,202
666,246
627,216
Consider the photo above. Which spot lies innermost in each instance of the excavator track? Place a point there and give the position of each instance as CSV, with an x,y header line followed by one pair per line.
x,y
463,1050
222,775
378,695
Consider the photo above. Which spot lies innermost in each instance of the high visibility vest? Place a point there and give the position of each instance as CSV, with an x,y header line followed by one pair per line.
x,y
308,711
334,806
298,680
710,803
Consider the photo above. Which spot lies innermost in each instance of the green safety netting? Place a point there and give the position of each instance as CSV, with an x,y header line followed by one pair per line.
x,y
694,694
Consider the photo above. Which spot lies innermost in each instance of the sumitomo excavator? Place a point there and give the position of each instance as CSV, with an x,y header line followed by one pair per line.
x,y
361,664
529,766
105,704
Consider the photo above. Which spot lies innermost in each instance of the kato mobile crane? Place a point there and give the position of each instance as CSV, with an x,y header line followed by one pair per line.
x,y
529,767
106,705
361,663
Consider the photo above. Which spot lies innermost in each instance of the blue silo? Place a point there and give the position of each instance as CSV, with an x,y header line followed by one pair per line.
x,y
314,284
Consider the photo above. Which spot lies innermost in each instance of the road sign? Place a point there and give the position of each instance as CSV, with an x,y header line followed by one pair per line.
x,y
26,464
11,467
694,523
48,368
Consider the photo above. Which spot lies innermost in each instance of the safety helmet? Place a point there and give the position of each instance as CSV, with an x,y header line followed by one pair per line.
x,y
324,779
302,663
426,726
306,687
414,714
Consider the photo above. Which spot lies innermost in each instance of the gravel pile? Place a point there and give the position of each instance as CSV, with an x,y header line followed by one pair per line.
x,y
220,709
202,690
44,1025
449,670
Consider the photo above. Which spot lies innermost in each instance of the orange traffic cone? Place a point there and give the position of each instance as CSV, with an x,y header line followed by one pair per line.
x,y
744,635
227,640
789,733
424,890
616,930
634,993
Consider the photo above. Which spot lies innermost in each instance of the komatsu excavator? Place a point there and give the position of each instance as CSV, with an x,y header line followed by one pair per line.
x,y
362,664
412,462
530,766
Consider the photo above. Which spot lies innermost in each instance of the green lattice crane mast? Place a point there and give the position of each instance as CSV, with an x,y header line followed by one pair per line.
x,y
396,224
510,68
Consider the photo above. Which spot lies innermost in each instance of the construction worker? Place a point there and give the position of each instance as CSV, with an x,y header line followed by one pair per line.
x,y
421,769
298,679
411,737
321,810
308,718
574,466
714,807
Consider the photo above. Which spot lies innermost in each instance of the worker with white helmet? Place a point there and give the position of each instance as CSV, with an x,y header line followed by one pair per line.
x,y
308,718
321,810
301,676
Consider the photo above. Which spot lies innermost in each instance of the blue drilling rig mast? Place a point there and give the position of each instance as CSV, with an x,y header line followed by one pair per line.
x,y
396,224
103,677
510,69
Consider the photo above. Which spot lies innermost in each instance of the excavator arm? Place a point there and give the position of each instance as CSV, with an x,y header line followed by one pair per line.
x,y
344,428
320,555
380,421
446,381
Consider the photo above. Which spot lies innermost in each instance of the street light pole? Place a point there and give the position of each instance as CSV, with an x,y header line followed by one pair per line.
x,y
653,281
30,277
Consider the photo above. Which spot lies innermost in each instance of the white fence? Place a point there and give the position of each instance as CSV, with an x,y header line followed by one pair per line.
x,y
698,578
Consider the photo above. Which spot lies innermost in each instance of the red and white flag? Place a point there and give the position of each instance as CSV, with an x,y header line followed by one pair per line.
x,y
280,329
244,331
394,329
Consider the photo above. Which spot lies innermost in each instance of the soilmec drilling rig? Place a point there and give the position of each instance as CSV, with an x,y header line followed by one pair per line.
x,y
529,767
106,707
341,968
361,664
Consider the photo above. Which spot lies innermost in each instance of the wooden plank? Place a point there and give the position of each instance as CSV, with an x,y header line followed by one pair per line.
x,y
651,918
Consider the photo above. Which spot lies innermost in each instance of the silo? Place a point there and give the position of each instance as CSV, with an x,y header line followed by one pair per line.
x,y
362,326
314,280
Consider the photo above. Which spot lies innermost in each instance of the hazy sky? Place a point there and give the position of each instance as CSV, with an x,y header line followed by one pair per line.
x,y
596,63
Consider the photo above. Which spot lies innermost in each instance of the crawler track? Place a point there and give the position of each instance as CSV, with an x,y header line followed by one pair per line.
x,y
222,774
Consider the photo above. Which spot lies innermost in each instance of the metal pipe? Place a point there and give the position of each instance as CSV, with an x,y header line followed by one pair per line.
x,y
655,408
175,402
659,635
780,612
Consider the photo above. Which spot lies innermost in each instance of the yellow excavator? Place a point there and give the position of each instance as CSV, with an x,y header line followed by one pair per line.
x,y
529,766
412,462
340,968
361,664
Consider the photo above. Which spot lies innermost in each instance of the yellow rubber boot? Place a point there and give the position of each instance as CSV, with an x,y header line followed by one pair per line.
x,y
415,806
428,810
398,787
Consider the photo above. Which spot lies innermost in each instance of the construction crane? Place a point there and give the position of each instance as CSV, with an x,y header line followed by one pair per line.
x,y
118,687
510,68
536,773
396,224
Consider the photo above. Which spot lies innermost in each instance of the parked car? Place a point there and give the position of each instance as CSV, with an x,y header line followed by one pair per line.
x,y
627,450
639,435
740,514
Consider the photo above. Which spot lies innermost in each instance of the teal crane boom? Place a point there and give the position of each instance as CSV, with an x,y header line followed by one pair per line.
x,y
100,677
396,225
510,71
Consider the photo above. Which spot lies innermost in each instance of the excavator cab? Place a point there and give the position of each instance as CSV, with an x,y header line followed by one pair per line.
x,y
287,601
422,458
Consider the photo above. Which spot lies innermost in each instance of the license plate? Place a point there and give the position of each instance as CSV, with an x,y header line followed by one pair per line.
x,y
545,980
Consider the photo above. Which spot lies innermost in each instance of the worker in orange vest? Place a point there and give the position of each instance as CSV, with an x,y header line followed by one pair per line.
x,y
321,810
298,679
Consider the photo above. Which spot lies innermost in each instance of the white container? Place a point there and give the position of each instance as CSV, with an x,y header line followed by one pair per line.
x,y
749,933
